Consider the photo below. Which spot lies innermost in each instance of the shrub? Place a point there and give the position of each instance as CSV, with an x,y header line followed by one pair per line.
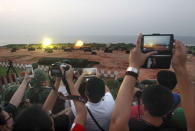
x,y
108,50
94,53
48,50
127,51
13,49
67,49
87,49
31,49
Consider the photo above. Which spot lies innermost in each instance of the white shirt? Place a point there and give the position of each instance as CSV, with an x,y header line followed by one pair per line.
x,y
101,111
63,90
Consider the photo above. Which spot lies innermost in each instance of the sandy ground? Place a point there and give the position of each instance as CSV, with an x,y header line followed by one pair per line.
x,y
116,61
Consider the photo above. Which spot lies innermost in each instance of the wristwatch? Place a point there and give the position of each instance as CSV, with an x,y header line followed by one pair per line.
x,y
132,72
133,69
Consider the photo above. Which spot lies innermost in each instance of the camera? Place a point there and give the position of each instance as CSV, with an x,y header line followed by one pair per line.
x,y
163,45
55,69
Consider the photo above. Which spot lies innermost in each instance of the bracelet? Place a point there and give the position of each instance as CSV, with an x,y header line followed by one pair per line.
x,y
130,73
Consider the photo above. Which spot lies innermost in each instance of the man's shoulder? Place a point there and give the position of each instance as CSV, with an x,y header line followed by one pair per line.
x,y
140,124
108,97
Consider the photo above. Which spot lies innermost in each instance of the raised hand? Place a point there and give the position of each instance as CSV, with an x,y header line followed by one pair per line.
x,y
137,57
179,56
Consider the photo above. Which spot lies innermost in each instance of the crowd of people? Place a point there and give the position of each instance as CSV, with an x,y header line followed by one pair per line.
x,y
91,106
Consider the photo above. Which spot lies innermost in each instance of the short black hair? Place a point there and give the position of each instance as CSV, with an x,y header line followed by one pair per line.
x,y
32,119
82,90
95,89
167,79
157,100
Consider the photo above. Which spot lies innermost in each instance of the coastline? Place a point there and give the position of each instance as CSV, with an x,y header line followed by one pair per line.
x,y
100,39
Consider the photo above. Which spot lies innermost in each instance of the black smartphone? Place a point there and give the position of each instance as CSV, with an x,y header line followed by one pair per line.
x,y
163,45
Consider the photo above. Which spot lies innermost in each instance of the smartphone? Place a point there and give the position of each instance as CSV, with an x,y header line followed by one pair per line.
x,y
90,72
30,71
163,45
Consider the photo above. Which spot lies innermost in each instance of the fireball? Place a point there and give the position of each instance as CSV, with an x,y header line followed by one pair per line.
x,y
46,43
79,44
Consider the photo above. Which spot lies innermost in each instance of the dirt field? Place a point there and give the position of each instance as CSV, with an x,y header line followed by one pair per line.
x,y
116,61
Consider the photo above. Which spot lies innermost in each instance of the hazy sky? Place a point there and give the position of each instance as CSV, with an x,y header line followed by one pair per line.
x,y
23,20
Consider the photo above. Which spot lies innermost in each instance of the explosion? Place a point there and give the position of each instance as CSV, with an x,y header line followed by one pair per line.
x,y
46,43
78,44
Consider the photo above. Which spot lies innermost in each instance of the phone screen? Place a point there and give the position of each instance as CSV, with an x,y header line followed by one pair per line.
x,y
90,71
30,71
159,43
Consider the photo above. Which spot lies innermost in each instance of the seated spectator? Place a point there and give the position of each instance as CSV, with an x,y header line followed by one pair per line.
x,y
168,79
100,103
120,117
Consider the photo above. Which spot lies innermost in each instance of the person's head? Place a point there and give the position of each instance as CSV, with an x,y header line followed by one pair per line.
x,y
6,121
40,78
167,78
31,119
95,89
82,90
157,100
